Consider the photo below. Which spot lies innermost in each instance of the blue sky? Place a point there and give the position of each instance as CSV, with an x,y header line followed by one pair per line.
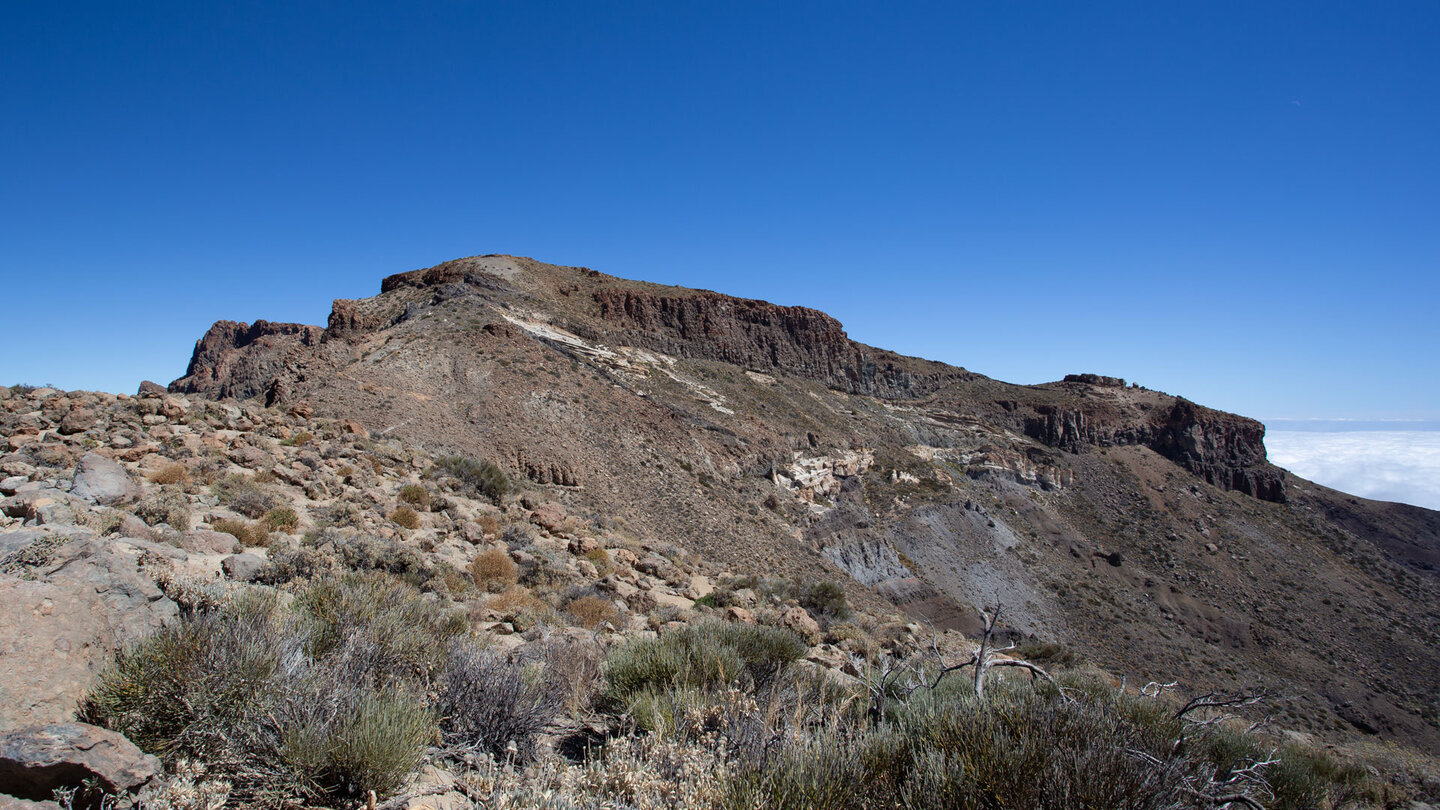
x,y
1236,202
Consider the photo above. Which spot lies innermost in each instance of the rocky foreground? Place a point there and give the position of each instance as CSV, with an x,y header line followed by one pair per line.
x,y
129,518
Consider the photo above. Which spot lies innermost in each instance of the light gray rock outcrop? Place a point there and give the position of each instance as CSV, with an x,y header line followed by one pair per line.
x,y
103,481
67,599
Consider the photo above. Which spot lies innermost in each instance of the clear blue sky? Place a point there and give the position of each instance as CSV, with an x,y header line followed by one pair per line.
x,y
1238,202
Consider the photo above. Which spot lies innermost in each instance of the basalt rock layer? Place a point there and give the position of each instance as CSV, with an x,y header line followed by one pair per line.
x,y
1145,530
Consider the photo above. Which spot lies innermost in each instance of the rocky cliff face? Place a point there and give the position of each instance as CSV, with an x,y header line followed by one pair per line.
x,y
760,336
1226,450
241,360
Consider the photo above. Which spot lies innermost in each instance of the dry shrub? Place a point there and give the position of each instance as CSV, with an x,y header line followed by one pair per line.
x,y
405,517
591,611
248,532
416,495
169,474
491,703
494,571
489,524
521,608
168,506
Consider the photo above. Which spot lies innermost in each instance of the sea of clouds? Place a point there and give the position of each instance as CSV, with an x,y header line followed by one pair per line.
x,y
1385,465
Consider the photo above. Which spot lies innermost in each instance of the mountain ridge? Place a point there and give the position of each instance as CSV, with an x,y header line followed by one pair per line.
x,y
1135,525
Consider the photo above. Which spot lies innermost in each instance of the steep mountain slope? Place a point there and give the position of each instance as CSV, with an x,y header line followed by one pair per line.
x,y
1138,527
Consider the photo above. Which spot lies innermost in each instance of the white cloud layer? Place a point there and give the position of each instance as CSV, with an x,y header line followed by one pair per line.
x,y
1386,465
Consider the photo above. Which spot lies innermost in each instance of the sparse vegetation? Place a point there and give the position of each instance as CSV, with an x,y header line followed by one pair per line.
x,y
415,495
483,477
281,519
249,533
168,506
494,571
405,517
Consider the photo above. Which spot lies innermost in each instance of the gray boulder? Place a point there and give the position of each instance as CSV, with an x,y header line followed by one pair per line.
x,y
67,600
103,481
205,541
242,567
36,760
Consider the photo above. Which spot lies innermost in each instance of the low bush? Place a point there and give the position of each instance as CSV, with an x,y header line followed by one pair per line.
x,y
482,476
319,701
826,600
297,440
494,571
490,704
489,525
249,533
522,608
600,558
709,654
169,474
415,495
168,506
249,496
405,517
591,611
281,519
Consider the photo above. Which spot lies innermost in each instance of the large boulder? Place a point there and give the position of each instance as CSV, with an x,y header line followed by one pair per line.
x,y
36,760
67,599
103,481
242,567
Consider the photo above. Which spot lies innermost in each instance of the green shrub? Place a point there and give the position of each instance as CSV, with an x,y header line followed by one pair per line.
x,y
1047,654
415,495
320,701
484,477
705,655
403,632
281,519
826,599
